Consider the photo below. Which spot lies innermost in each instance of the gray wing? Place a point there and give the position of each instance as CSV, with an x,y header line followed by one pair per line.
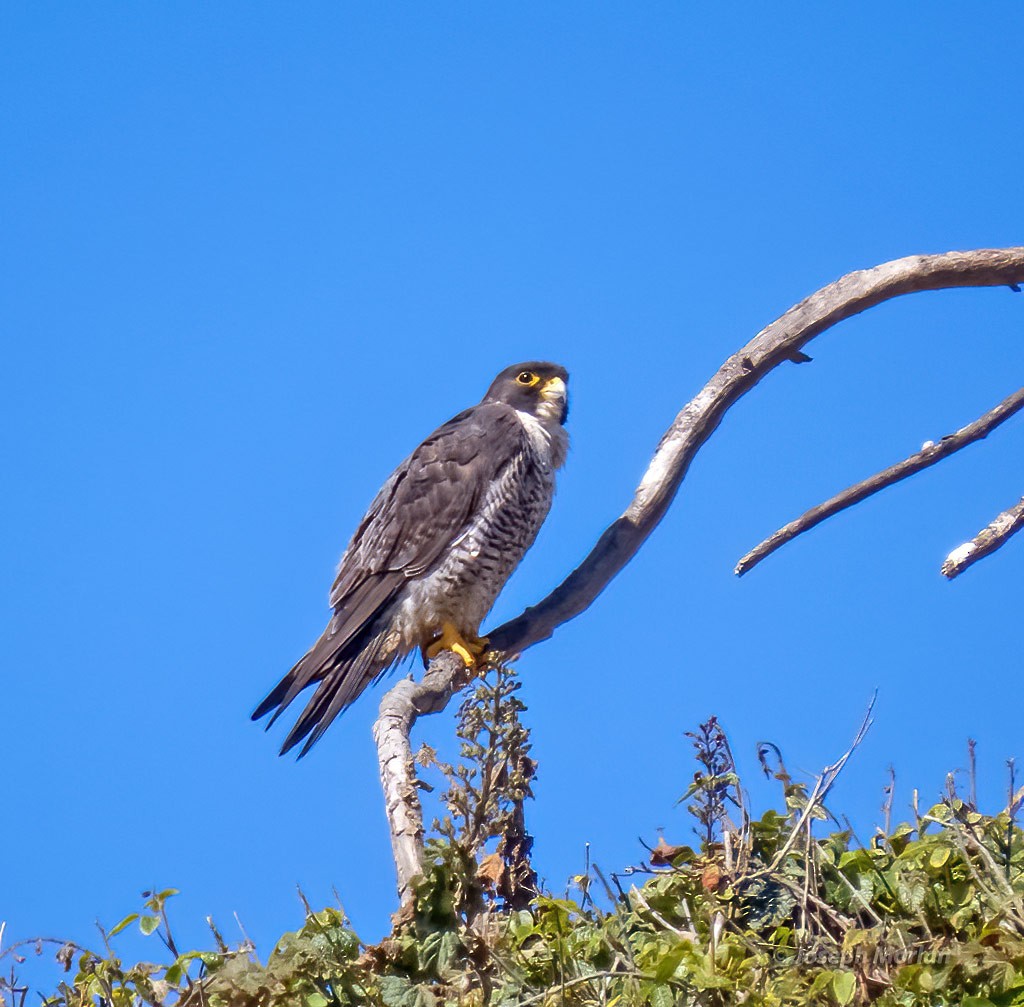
x,y
426,504
422,509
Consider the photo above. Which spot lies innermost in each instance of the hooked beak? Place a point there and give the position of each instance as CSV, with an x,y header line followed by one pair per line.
x,y
554,391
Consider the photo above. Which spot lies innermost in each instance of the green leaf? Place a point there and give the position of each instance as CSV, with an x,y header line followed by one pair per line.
x,y
661,996
173,974
130,918
447,956
821,981
521,924
329,917
851,857
912,893
844,985
669,962
316,1000
147,924
939,857
396,991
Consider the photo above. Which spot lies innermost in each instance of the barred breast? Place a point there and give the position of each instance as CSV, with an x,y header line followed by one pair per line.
x,y
463,587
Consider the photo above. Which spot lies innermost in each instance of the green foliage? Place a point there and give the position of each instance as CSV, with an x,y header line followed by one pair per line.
x,y
485,795
766,912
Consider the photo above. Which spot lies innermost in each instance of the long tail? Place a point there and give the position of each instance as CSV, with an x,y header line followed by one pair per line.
x,y
342,673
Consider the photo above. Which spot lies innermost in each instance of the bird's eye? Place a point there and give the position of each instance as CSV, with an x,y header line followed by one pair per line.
x,y
526,378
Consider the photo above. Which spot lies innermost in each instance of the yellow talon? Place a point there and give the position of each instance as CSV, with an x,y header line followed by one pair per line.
x,y
451,639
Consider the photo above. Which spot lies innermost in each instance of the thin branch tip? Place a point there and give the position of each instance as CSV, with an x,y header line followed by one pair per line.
x,y
992,537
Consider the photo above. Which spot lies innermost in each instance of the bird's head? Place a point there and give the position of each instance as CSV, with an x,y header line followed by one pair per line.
x,y
536,387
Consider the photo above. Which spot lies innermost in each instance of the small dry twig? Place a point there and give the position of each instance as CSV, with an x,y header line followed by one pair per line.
x,y
568,983
822,786
890,796
658,918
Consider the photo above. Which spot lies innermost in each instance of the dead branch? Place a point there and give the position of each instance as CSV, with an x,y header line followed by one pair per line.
x,y
782,340
929,455
399,709
990,538
848,296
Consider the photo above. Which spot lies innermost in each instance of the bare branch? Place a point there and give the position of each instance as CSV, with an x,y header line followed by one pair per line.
x,y
848,296
990,538
929,455
779,342
399,709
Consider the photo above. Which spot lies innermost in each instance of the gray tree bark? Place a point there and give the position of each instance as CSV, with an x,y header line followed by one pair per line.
x,y
993,536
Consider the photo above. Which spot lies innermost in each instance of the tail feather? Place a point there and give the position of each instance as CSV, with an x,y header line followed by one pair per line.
x,y
310,668
315,665
342,673
333,695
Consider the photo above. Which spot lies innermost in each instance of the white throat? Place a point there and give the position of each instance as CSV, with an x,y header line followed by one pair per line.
x,y
550,439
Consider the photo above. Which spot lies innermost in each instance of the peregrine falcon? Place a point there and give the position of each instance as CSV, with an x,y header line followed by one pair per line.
x,y
436,546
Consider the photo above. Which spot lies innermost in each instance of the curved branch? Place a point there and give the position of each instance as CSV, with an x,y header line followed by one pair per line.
x,y
848,296
997,533
779,342
929,455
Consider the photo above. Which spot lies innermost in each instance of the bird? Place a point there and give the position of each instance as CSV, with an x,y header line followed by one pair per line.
x,y
436,546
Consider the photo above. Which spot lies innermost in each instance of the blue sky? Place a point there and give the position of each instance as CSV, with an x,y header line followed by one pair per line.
x,y
254,253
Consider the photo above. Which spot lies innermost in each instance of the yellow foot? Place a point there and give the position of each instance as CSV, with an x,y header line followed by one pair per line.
x,y
451,639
